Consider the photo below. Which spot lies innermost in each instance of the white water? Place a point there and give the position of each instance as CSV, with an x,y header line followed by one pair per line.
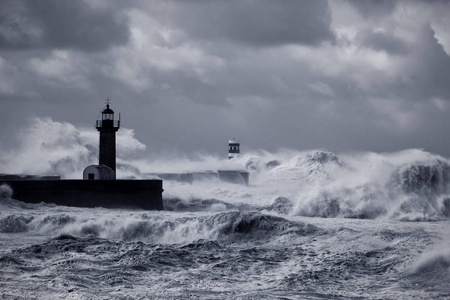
x,y
311,225
407,185
51,252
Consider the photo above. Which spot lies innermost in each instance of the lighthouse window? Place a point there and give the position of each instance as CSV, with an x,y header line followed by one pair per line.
x,y
108,116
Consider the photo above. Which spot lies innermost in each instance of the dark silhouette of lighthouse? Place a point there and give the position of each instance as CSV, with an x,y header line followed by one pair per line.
x,y
107,127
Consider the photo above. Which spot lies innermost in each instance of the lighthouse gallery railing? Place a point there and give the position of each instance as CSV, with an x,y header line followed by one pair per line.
x,y
114,123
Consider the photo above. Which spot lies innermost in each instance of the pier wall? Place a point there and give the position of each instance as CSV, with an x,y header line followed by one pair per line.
x,y
142,194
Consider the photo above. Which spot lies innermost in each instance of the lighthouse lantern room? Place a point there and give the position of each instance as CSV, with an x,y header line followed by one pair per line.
x,y
107,127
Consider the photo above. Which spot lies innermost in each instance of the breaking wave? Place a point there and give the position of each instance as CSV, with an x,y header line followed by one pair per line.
x,y
15,223
410,185
224,226
432,268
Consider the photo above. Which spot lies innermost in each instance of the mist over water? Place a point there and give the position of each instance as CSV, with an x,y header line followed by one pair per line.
x,y
407,185
310,225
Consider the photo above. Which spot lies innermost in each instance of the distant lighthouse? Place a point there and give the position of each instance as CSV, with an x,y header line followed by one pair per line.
x,y
233,148
107,127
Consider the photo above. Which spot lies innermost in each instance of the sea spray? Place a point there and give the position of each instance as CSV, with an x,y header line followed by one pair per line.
x,y
5,192
407,185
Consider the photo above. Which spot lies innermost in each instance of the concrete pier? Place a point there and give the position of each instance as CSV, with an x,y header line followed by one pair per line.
x,y
141,194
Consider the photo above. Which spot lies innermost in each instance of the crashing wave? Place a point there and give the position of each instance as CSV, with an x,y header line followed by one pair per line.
x,y
413,189
431,269
321,157
6,192
253,223
222,227
314,166
15,223
425,179
426,189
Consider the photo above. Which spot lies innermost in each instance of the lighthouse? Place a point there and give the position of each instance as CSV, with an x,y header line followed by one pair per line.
x,y
107,127
233,148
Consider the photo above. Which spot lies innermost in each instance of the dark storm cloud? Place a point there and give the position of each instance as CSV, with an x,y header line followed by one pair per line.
x,y
429,76
423,71
62,24
374,8
383,41
259,23
195,73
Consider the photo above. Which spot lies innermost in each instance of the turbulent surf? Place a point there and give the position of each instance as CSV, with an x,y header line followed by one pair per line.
x,y
310,225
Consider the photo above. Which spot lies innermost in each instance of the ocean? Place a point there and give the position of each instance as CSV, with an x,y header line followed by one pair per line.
x,y
310,225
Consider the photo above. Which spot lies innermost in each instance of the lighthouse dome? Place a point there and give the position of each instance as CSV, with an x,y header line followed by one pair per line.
x,y
107,110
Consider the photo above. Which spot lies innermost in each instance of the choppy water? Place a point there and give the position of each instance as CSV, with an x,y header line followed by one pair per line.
x,y
310,226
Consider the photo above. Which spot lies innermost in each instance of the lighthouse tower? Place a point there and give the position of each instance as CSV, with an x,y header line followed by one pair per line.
x,y
107,127
233,148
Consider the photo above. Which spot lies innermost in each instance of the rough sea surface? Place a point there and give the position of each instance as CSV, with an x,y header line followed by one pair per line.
x,y
311,225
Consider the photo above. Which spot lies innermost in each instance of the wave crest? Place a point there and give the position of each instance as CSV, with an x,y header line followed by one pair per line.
x,y
15,223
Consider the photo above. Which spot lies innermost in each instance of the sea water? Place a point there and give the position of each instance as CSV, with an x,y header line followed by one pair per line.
x,y
310,225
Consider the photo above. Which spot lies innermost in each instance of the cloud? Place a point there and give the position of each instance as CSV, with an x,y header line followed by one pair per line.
x,y
256,23
189,75
64,24
429,75
383,41
7,74
374,8
321,88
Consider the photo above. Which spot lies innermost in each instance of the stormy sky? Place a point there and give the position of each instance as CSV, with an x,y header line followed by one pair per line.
x,y
187,76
